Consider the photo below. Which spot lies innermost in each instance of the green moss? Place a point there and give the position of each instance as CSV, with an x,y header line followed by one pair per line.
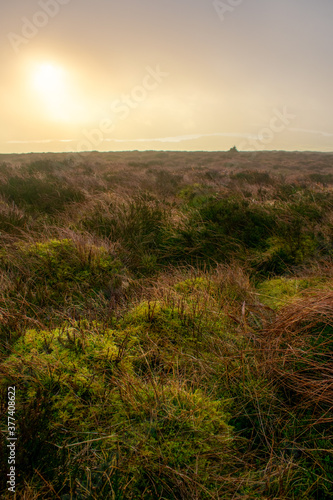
x,y
71,356
74,364
84,385
59,271
193,284
226,286
160,321
175,323
278,292
181,430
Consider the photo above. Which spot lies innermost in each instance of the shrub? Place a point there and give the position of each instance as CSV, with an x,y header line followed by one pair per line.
x,y
324,179
220,230
12,219
248,224
46,167
167,183
253,177
138,226
39,195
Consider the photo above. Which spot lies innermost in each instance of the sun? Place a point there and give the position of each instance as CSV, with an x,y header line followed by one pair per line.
x,y
51,88
55,94
49,78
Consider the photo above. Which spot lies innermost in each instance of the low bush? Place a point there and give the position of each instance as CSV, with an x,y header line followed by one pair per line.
x,y
137,226
40,195
253,177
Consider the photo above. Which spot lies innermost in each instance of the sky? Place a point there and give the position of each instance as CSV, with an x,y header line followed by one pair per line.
x,y
83,75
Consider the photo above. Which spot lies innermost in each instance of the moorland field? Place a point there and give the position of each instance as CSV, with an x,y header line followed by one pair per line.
x,y
167,321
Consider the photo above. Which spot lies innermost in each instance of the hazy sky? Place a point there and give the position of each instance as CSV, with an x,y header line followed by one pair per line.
x,y
166,74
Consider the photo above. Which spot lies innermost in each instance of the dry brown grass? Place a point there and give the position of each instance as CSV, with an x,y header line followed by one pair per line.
x,y
298,348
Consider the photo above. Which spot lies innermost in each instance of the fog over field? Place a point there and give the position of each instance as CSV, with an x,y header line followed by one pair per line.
x,y
167,75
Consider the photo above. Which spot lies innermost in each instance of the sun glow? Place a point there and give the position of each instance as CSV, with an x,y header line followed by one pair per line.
x,y
49,79
50,83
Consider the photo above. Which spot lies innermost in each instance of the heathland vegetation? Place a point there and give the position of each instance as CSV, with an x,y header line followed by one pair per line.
x,y
167,321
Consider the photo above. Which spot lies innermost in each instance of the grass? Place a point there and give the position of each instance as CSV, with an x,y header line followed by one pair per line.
x,y
167,322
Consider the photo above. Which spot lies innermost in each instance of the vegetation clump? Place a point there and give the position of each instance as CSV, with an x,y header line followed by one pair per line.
x,y
56,271
300,344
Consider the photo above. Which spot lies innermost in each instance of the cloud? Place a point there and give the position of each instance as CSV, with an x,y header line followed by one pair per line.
x,y
147,139
40,141
181,138
314,132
